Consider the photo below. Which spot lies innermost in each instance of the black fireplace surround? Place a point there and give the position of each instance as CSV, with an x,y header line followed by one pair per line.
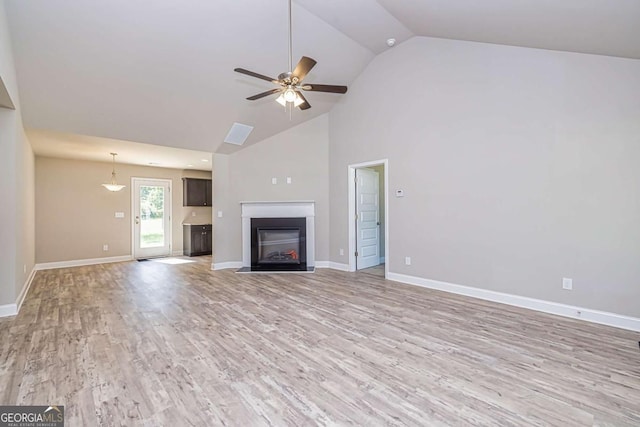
x,y
278,244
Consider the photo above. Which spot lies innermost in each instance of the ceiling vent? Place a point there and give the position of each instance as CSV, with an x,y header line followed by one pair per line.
x,y
238,134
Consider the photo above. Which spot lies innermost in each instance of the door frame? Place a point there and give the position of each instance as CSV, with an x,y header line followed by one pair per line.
x,y
133,214
352,211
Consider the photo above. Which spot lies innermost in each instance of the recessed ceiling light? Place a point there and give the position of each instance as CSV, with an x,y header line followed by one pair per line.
x,y
391,42
189,166
154,163
205,160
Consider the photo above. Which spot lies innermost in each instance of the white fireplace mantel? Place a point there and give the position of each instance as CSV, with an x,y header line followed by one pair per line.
x,y
283,209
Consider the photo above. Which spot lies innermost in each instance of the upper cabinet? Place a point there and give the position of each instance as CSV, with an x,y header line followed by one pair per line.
x,y
196,192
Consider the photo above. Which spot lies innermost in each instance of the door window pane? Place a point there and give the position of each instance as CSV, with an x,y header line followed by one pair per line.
x,y
151,216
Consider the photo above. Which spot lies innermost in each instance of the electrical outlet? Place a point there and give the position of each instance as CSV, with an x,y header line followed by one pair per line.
x,y
288,180
341,251
105,248
219,214
407,260
567,283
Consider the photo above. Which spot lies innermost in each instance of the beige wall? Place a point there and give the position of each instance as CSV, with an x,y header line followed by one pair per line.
x,y
519,167
16,185
75,215
301,153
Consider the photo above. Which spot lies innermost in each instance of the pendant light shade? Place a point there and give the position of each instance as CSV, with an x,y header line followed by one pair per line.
x,y
113,185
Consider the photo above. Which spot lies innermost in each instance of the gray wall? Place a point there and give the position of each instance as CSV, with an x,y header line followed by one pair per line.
x,y
519,167
16,184
301,153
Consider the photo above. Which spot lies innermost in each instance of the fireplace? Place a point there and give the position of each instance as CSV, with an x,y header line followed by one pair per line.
x,y
296,210
278,244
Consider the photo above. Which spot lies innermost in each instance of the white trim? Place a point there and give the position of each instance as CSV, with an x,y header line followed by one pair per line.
x,y
168,207
177,253
586,314
351,203
81,262
225,265
25,289
338,266
8,310
332,265
276,202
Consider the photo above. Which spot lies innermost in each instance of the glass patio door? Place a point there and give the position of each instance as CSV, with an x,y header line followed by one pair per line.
x,y
151,218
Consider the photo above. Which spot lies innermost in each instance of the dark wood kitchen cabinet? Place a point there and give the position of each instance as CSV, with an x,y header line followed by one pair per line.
x,y
196,239
196,192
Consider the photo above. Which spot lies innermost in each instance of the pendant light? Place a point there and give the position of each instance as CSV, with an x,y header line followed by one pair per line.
x,y
113,185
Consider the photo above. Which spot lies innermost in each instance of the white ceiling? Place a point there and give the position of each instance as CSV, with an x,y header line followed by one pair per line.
x,y
83,147
161,71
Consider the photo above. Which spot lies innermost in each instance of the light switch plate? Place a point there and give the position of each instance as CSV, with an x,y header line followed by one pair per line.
x,y
288,180
119,214
219,214
274,181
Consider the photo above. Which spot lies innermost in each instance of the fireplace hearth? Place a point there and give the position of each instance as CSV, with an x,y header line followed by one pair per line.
x,y
278,244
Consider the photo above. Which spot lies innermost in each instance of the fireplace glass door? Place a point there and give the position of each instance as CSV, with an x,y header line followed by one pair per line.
x,y
278,245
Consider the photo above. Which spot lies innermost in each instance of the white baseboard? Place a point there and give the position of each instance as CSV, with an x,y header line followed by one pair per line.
x,y
177,253
337,266
81,262
322,264
25,289
7,310
225,265
587,314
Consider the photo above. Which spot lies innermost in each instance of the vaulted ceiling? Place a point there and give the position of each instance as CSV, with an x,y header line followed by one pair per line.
x,y
161,71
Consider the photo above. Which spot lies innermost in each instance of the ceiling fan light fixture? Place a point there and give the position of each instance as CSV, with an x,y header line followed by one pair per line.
x,y
289,82
290,95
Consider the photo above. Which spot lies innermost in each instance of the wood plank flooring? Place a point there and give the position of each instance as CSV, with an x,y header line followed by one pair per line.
x,y
148,344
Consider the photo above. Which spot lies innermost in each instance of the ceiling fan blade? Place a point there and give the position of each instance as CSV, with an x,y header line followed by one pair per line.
x,y
305,105
325,88
304,66
263,94
256,75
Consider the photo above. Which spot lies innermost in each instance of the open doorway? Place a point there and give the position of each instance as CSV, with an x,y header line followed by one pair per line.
x,y
368,217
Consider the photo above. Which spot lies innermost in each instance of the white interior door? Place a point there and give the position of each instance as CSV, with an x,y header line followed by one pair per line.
x,y
151,218
367,218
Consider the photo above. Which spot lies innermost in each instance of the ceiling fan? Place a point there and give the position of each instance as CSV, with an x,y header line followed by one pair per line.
x,y
290,83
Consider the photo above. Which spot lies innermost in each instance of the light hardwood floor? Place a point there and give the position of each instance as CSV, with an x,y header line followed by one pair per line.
x,y
154,344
